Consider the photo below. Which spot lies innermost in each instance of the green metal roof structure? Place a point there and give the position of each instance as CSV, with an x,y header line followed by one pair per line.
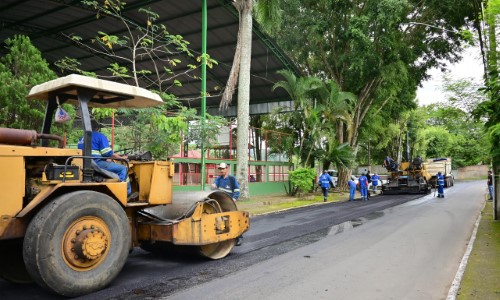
x,y
48,22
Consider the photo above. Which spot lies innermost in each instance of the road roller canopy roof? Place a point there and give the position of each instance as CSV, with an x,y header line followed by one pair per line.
x,y
107,94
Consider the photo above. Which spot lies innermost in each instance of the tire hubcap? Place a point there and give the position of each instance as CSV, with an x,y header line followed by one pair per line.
x,y
86,243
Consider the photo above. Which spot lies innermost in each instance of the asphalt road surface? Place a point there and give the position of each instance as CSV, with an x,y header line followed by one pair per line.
x,y
391,247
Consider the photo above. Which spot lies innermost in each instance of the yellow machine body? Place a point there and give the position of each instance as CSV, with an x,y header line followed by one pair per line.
x,y
56,202
411,177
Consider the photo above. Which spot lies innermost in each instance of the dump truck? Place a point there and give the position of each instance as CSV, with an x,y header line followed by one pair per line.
x,y
408,177
443,165
69,225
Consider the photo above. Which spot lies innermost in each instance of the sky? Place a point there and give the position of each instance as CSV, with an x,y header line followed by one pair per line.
x,y
470,66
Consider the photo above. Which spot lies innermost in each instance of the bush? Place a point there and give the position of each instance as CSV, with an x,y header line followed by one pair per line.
x,y
302,180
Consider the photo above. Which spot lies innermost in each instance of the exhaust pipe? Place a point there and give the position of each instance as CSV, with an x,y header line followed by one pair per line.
x,y
23,137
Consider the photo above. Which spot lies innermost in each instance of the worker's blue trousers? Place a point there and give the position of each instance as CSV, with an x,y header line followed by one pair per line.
x,y
352,193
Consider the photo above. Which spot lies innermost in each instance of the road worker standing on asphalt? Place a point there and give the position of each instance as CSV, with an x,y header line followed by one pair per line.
x,y
440,184
324,181
352,189
363,187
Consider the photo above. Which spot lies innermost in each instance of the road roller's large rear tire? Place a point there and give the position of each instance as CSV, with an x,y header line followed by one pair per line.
x,y
11,262
77,244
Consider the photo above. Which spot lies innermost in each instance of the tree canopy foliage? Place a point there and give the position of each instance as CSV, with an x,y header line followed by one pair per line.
x,y
361,63
380,50
145,55
20,69
319,107
490,109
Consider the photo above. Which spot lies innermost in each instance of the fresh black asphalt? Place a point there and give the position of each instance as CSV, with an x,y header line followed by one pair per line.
x,y
148,275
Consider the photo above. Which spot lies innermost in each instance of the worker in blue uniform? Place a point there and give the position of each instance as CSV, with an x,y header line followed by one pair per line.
x,y
352,189
102,152
228,184
440,184
324,181
363,187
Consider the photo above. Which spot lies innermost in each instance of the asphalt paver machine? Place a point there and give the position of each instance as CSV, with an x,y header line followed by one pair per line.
x,y
69,226
410,177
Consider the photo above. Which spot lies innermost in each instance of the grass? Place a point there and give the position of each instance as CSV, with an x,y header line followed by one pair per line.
x,y
482,275
271,203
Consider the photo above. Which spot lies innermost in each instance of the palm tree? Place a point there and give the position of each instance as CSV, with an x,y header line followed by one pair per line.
x,y
337,115
302,92
240,73
323,110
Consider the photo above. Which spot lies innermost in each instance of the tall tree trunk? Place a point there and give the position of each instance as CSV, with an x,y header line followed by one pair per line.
x,y
343,173
244,96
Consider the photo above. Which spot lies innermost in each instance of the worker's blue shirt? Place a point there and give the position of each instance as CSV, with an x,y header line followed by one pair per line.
x,y
100,145
351,184
228,185
363,181
440,179
325,180
375,179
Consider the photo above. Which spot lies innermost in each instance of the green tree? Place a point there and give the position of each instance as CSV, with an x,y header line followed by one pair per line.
x,y
319,109
148,41
281,140
490,109
469,140
306,120
438,142
378,50
20,69
150,129
208,133
336,107
463,93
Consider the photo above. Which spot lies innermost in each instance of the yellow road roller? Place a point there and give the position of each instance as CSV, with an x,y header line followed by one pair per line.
x,y
69,225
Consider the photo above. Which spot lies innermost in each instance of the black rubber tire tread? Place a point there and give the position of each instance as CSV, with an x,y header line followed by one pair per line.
x,y
12,266
43,242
